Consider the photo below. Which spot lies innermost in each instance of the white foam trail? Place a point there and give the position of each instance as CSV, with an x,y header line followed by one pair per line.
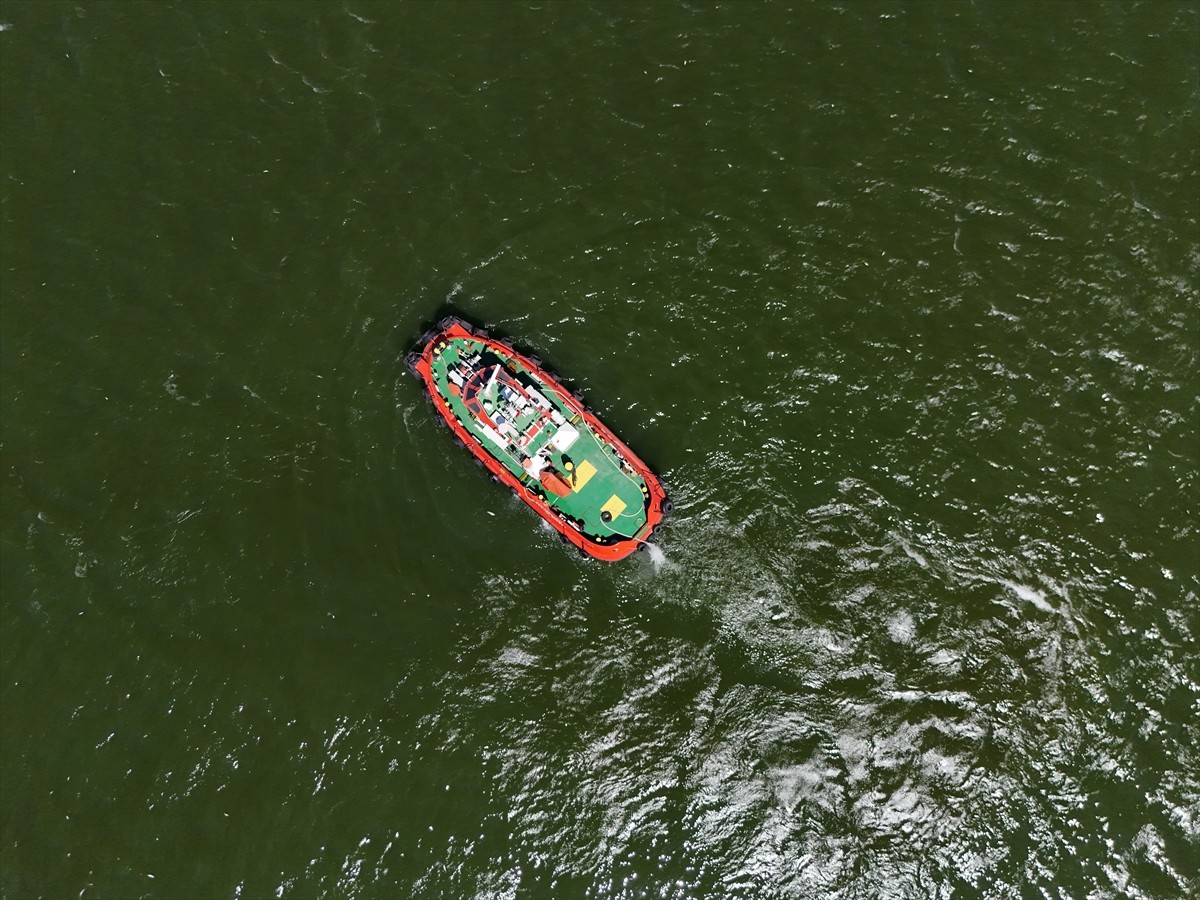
x,y
1028,594
656,556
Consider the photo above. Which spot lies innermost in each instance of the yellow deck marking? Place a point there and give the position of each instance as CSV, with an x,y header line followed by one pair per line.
x,y
614,507
583,474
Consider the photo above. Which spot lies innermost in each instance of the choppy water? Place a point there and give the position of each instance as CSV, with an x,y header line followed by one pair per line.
x,y
900,300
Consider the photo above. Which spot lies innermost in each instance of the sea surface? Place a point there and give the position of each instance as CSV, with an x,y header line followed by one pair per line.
x,y
901,300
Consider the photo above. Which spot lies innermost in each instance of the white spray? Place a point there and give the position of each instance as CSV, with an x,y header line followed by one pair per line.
x,y
657,557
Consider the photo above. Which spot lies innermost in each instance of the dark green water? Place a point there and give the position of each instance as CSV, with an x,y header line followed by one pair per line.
x,y
900,299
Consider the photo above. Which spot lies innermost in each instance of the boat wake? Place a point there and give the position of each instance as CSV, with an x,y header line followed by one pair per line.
x,y
657,557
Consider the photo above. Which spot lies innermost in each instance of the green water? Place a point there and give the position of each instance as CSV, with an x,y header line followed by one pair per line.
x,y
899,299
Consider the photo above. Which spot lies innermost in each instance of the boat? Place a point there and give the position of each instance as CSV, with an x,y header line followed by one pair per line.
x,y
531,433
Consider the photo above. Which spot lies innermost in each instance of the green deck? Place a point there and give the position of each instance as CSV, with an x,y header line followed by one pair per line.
x,y
590,465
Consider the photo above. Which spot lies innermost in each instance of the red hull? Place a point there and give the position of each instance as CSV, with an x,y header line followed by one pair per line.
x,y
420,362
